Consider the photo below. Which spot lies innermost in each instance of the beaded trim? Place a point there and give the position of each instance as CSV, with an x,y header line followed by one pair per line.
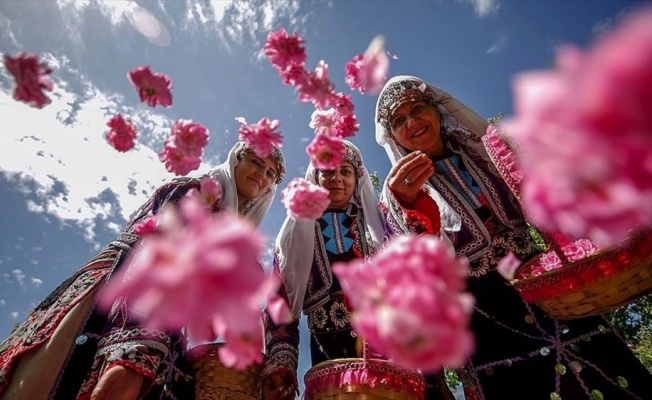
x,y
399,92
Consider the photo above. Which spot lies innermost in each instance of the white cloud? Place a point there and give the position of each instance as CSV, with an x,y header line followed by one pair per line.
x,y
117,12
14,314
7,33
604,26
58,156
2,302
18,276
37,282
498,44
483,8
237,21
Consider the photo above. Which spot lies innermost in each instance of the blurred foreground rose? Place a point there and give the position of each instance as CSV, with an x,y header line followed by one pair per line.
x,y
409,302
585,131
203,275
305,200
31,79
367,72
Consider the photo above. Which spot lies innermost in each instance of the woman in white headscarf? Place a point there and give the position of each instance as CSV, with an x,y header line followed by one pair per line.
x,y
68,350
352,227
442,180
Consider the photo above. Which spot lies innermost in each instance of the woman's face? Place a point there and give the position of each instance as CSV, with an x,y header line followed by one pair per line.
x,y
416,126
340,183
254,175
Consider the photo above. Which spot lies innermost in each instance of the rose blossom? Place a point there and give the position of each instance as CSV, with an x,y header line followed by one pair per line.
x,y
189,138
345,125
586,136
317,87
322,121
183,149
177,162
305,200
153,88
122,134
203,275
262,136
508,265
326,152
368,72
409,302
284,51
31,79
147,226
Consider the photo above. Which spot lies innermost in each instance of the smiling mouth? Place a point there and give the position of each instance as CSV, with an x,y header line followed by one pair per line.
x,y
420,132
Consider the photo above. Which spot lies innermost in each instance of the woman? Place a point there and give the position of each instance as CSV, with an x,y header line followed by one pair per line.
x,y
441,170
66,349
305,250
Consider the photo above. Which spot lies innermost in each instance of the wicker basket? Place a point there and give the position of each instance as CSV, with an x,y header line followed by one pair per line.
x,y
363,379
214,381
602,282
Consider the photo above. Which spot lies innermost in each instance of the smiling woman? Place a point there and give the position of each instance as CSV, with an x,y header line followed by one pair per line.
x,y
69,348
443,177
254,175
305,250
340,183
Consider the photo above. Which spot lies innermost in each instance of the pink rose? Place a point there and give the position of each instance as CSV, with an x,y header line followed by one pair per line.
x,y
317,88
585,132
31,79
153,88
122,135
284,51
201,274
409,302
262,136
326,152
305,200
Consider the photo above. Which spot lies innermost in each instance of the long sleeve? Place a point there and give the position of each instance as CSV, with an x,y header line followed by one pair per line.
x,y
282,342
124,342
422,218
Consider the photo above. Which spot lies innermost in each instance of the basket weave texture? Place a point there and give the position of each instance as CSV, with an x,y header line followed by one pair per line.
x,y
599,283
360,379
602,282
214,381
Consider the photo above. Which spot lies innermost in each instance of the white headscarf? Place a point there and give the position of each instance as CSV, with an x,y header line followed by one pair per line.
x,y
456,116
296,240
225,174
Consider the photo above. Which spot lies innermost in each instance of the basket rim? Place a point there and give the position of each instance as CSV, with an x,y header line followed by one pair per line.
x,y
371,363
555,274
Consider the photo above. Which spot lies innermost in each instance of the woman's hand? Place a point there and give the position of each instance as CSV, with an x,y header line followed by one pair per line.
x,y
280,385
118,383
408,175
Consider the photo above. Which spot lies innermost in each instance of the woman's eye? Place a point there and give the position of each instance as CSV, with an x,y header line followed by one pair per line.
x,y
398,121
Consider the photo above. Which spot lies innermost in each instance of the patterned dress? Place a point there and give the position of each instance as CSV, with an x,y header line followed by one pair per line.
x,y
103,341
338,238
521,353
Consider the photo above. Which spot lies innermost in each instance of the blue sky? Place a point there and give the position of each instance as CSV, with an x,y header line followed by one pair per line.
x,y
64,192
